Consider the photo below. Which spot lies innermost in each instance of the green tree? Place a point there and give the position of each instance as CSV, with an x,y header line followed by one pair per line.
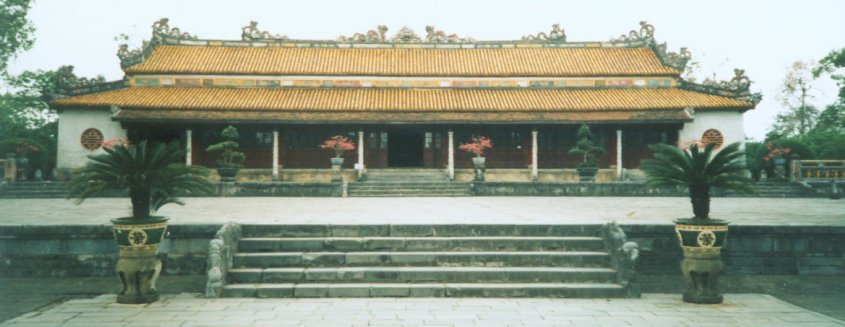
x,y
796,92
832,118
16,32
24,113
834,64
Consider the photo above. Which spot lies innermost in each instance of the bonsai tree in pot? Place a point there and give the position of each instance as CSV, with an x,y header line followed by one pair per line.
x,y
231,160
477,146
339,144
589,167
154,174
699,169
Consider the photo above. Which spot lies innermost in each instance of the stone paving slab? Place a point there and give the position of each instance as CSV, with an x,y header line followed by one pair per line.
x,y
460,210
185,310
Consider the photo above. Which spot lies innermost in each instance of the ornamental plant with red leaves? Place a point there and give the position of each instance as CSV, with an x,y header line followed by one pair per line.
x,y
118,141
477,146
339,144
777,152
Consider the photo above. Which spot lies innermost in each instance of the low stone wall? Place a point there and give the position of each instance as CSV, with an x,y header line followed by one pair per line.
x,y
40,251
572,189
768,250
35,251
285,189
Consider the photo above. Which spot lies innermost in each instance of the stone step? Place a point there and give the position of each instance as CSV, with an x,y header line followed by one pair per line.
x,y
456,230
559,290
415,185
409,194
432,259
483,243
422,275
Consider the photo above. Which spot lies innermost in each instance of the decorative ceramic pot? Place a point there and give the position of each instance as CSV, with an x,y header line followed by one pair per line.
x,y
702,241
587,174
478,164
138,265
228,174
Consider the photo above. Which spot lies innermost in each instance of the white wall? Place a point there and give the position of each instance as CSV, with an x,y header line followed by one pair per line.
x,y
72,122
727,122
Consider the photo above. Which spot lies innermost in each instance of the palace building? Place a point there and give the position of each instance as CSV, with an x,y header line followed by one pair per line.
x,y
406,100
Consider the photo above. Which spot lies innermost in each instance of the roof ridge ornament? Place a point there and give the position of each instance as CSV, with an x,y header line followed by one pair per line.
x,y
438,36
123,52
646,33
162,29
406,35
738,87
252,33
372,36
557,35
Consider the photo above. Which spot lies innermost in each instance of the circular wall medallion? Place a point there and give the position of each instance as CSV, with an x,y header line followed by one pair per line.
x,y
713,136
91,139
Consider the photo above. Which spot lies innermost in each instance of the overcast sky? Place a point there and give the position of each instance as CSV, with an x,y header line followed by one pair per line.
x,y
762,37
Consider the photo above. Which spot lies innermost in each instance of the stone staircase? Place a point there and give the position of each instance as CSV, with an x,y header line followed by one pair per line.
x,y
422,261
407,182
22,190
774,190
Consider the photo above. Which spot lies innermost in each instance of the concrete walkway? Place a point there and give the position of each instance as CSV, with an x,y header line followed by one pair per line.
x,y
462,210
185,310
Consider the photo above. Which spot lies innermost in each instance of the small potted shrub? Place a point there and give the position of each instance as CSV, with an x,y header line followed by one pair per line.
x,y
231,160
589,167
700,237
153,173
477,146
339,144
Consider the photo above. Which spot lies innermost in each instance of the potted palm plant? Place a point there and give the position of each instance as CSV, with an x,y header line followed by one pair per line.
x,y
699,169
589,167
231,160
477,146
339,144
153,173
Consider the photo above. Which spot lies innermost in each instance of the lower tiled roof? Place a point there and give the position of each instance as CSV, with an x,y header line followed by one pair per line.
x,y
232,101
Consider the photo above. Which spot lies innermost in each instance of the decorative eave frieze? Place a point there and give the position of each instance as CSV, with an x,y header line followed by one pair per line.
x,y
738,87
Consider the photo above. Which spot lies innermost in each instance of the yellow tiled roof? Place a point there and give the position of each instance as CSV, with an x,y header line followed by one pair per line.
x,y
403,61
404,100
174,115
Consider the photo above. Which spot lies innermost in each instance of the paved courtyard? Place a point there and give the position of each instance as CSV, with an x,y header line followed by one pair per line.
x,y
189,309
460,210
652,310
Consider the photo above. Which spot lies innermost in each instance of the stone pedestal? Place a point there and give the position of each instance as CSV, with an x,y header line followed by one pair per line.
x,y
478,164
138,273
337,175
701,272
227,188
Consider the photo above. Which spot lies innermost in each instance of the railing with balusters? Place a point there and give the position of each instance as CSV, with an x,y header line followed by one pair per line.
x,y
818,170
